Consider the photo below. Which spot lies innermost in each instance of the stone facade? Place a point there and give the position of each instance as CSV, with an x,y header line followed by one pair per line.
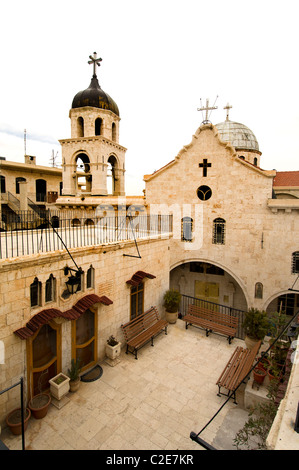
x,y
258,234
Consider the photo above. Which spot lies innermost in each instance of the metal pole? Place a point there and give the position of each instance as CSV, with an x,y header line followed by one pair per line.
x,y
22,412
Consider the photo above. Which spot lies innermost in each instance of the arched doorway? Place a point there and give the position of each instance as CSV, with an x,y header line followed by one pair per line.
x,y
84,339
41,190
285,302
43,357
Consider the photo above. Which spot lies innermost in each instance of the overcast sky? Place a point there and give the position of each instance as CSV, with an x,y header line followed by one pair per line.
x,y
160,60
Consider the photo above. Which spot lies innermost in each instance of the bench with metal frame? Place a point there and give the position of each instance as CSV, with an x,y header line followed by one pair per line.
x,y
143,329
212,321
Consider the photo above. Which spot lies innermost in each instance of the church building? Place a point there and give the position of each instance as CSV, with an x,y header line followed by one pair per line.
x,y
211,223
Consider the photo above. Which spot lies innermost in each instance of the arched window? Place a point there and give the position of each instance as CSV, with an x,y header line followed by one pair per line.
x,y
35,293
75,223
295,262
258,292
113,131
50,289
219,231
186,229
19,179
2,182
98,126
255,161
80,127
112,165
90,278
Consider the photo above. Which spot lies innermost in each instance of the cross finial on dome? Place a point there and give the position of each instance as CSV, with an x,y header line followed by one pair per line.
x,y
95,61
227,107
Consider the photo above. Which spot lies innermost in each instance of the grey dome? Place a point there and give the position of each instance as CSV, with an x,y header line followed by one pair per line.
x,y
240,136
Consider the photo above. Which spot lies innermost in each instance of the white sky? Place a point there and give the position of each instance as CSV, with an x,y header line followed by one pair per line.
x,y
160,58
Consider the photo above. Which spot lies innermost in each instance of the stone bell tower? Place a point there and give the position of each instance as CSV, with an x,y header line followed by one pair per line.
x,y
92,159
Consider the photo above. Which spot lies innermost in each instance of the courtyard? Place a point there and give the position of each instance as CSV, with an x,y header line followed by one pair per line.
x,y
152,403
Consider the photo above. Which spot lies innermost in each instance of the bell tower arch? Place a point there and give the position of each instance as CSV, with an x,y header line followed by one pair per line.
x,y
94,143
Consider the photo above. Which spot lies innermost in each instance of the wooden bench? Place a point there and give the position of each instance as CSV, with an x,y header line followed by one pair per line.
x,y
237,369
143,329
211,321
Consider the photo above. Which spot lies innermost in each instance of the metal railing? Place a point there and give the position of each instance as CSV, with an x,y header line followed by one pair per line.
x,y
26,239
230,311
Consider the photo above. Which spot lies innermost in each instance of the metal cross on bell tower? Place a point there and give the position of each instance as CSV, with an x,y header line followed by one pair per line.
x,y
95,61
207,108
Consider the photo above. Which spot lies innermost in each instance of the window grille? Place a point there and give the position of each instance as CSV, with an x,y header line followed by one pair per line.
x,y
219,231
186,229
295,262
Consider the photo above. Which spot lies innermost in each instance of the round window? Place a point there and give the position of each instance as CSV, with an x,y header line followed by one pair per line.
x,y
204,193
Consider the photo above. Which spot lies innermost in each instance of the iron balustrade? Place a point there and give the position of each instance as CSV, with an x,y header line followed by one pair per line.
x,y
30,234
225,309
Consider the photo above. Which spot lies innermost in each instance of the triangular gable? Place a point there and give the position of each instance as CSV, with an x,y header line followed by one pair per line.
x,y
227,145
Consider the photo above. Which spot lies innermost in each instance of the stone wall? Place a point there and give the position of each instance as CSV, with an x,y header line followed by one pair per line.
x,y
112,270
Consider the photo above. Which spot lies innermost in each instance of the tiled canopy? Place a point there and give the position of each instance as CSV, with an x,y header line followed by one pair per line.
x,y
72,314
138,277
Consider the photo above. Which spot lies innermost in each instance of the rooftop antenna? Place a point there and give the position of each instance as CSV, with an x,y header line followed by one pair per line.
x,y
25,142
207,108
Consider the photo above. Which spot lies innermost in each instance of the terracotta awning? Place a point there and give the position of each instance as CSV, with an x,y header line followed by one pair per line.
x,y
72,314
138,277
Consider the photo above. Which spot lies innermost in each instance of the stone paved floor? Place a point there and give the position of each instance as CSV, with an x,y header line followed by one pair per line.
x,y
149,404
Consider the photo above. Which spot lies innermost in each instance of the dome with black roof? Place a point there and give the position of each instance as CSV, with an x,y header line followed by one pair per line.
x,y
94,96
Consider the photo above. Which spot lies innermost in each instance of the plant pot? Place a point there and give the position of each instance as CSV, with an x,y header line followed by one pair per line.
x,y
112,352
59,386
74,385
263,364
14,422
39,405
259,375
171,317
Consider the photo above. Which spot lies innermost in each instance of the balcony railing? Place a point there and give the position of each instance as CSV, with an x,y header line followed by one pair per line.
x,y
26,239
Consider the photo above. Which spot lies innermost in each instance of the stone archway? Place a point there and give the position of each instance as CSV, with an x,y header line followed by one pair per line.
x,y
284,301
211,282
83,173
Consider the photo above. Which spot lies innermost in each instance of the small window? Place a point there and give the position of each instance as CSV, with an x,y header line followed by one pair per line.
x,y
2,182
50,289
186,229
98,126
204,193
90,278
80,127
137,296
35,293
295,262
19,180
219,231
114,131
258,293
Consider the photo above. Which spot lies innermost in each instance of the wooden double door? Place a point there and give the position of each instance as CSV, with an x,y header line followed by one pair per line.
x,y
44,351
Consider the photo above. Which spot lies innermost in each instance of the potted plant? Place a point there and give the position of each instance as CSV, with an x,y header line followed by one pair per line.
x,y
113,350
74,374
256,326
171,302
259,375
14,420
40,403
59,385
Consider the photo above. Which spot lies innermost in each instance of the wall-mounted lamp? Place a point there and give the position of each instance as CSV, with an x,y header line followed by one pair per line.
x,y
74,281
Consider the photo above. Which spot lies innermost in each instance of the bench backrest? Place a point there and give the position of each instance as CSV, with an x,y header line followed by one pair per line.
x,y
136,326
217,317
